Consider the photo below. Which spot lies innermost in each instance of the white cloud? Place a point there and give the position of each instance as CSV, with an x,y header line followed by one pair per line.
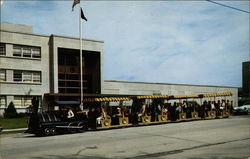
x,y
162,41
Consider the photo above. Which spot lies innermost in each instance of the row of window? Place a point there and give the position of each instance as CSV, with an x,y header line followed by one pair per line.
x,y
22,101
2,101
19,101
22,76
2,75
2,49
22,51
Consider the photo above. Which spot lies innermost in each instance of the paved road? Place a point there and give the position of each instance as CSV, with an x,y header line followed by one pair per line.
x,y
207,139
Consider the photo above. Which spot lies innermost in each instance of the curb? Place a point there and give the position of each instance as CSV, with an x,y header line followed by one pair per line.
x,y
10,130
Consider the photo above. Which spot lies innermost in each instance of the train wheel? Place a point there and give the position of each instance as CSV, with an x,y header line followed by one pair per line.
x,y
46,131
53,131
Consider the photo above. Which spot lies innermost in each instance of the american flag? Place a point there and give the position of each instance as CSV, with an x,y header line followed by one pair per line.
x,y
75,3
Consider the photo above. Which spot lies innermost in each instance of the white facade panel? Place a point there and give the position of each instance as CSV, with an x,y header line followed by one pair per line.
x,y
143,88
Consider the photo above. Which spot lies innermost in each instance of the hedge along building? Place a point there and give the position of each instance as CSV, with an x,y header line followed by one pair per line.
x,y
48,67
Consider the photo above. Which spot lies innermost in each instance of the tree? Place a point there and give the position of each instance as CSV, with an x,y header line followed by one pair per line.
x,y
10,112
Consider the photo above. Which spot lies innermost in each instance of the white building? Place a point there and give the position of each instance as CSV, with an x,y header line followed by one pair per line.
x,y
33,64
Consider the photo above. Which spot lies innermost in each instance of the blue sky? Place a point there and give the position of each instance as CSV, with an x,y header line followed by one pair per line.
x,y
188,42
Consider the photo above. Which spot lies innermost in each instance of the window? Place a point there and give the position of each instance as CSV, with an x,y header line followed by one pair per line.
x,y
18,101
26,51
2,49
27,76
36,52
17,50
2,75
17,76
3,101
24,101
36,77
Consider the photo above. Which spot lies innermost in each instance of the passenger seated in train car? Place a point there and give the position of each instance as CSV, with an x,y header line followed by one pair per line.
x,y
158,111
213,106
103,115
164,110
135,110
209,106
153,112
227,103
173,111
205,104
63,113
178,110
196,107
85,112
184,106
116,116
96,113
91,118
148,109
142,112
99,116
231,107
160,107
223,105
202,110
217,106
189,110
124,111
70,114
170,110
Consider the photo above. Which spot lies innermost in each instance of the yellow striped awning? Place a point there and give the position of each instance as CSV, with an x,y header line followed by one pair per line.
x,y
218,94
152,96
107,99
186,96
114,99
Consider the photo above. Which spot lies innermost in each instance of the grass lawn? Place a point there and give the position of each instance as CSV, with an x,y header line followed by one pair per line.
x,y
14,123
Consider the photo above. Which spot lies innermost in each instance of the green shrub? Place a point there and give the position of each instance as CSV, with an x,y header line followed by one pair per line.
x,y
10,112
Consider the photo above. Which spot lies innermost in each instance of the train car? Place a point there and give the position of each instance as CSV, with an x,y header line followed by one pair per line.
x,y
102,114
217,109
150,109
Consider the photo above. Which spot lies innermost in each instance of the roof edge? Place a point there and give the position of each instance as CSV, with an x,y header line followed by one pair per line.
x,y
52,35
168,83
70,37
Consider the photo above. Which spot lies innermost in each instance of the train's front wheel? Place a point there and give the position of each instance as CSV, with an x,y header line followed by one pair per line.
x,y
47,131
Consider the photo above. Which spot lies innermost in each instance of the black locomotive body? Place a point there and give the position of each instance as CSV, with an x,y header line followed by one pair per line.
x,y
55,122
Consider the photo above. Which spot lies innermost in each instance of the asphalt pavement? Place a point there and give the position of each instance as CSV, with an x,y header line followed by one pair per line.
x,y
205,139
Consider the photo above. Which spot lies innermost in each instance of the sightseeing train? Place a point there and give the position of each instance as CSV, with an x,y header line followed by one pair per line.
x,y
114,112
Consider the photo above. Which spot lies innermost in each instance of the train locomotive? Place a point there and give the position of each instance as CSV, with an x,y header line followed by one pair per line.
x,y
57,121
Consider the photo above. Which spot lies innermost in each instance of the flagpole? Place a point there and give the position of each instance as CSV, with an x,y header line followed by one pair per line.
x,y
80,30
